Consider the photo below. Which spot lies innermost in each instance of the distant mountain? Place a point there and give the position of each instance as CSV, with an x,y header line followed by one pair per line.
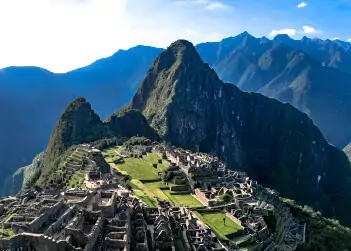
x,y
187,104
311,74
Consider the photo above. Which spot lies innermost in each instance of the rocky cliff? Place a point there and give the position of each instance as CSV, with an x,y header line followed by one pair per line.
x,y
129,123
185,102
347,151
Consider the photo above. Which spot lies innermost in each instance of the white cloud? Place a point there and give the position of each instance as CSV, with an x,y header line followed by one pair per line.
x,y
309,30
290,32
302,5
335,38
211,5
349,40
216,6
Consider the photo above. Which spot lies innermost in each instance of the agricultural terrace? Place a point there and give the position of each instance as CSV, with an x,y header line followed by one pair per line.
x,y
146,182
215,222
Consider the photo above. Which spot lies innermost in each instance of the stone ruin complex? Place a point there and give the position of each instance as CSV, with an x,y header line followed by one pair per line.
x,y
108,217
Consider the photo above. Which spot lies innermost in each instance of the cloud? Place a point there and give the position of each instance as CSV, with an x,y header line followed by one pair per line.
x,y
335,38
216,6
309,30
211,5
302,5
349,40
290,32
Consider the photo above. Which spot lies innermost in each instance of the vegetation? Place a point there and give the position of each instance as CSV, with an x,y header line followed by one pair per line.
x,y
182,199
137,141
216,223
138,169
47,176
321,233
107,142
226,198
77,180
32,172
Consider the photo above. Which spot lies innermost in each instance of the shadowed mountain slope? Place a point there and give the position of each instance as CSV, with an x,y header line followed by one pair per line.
x,y
187,104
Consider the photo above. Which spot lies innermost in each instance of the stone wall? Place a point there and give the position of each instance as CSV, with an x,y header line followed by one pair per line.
x,y
87,199
92,237
44,217
203,199
233,218
179,188
28,241
63,218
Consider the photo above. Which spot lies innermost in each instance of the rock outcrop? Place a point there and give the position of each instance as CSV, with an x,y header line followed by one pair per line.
x,y
185,102
347,151
129,123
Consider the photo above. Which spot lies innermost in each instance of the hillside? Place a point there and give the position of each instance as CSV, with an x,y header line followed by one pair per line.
x,y
311,74
79,124
187,104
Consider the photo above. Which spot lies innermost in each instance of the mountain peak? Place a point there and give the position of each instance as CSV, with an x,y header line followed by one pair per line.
x,y
178,52
77,124
181,43
282,38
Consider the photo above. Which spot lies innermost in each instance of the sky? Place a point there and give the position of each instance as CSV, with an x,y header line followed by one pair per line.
x,y
61,35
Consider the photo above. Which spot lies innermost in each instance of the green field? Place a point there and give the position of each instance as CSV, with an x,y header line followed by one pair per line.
x,y
153,189
141,169
153,159
138,169
110,154
215,222
186,200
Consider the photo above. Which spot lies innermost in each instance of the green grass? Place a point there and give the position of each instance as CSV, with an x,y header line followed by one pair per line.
x,y
77,180
186,200
109,151
138,169
9,231
10,216
153,189
144,197
215,222
153,159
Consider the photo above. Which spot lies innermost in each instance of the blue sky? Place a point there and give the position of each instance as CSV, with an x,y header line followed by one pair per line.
x,y
61,35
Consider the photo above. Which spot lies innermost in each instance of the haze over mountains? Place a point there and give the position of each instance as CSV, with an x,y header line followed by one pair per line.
x,y
311,74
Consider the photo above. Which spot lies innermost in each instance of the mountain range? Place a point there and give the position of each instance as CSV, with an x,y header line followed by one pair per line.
x,y
182,101
311,74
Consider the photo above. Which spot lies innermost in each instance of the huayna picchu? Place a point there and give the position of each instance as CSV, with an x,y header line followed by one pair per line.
x,y
191,163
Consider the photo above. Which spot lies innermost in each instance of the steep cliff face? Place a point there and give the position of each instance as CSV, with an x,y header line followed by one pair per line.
x,y
186,103
129,123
